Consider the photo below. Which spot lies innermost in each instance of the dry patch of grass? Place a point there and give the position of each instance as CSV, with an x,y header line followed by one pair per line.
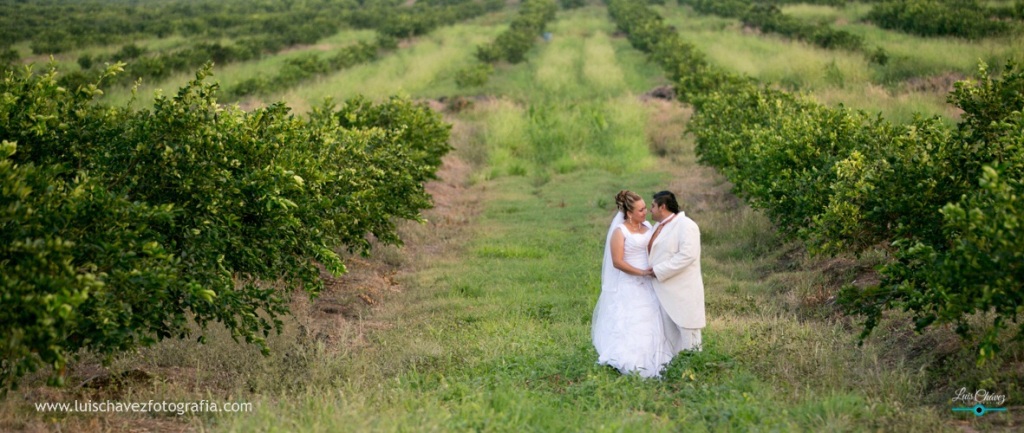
x,y
666,128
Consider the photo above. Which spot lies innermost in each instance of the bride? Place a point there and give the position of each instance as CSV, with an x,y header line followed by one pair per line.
x,y
628,331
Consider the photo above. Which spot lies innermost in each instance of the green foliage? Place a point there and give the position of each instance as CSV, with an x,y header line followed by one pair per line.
x,y
158,66
120,227
392,22
64,283
963,18
268,28
512,44
1012,12
8,58
420,132
686,65
781,152
301,68
56,26
769,18
836,3
968,263
399,21
841,181
474,75
84,61
253,29
879,57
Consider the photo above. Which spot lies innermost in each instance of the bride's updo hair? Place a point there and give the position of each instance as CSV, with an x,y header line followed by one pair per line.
x,y
625,200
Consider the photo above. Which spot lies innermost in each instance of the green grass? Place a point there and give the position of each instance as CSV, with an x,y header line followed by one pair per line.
x,y
911,55
813,13
837,76
496,338
571,106
491,328
424,69
234,73
68,61
582,61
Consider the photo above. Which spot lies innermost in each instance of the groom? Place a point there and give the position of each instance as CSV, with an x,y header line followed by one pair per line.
x,y
675,257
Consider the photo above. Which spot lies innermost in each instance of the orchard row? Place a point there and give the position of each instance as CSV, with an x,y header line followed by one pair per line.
x,y
946,204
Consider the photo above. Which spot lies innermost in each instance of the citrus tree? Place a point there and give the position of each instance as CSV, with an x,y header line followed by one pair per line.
x,y
121,227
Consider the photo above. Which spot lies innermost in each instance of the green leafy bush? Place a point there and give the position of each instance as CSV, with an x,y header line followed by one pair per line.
x,y
946,203
967,260
121,227
304,67
391,21
474,75
57,26
402,21
843,181
769,18
513,44
963,18
686,65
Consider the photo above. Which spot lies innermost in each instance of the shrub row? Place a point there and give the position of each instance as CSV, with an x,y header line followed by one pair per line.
x,y
390,23
120,227
474,75
302,68
158,66
1009,12
961,18
836,3
946,203
943,202
56,26
512,44
162,65
685,64
769,18
420,18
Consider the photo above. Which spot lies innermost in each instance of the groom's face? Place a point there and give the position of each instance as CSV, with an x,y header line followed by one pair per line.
x,y
657,212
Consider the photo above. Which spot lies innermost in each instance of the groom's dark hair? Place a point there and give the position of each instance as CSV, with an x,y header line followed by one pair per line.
x,y
667,199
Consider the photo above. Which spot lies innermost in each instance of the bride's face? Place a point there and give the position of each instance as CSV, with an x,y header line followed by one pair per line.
x,y
639,212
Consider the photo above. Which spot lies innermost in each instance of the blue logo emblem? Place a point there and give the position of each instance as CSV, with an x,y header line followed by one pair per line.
x,y
979,409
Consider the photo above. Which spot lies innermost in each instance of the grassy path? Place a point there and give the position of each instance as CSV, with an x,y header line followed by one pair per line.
x,y
494,335
491,329
496,338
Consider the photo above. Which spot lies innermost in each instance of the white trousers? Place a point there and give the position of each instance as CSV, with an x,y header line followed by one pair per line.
x,y
681,338
690,339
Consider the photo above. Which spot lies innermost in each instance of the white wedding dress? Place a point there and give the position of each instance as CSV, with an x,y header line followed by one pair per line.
x,y
628,329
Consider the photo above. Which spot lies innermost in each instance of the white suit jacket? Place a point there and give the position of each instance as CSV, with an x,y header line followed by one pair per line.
x,y
675,257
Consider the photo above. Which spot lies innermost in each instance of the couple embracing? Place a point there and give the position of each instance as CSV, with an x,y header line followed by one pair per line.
x,y
652,295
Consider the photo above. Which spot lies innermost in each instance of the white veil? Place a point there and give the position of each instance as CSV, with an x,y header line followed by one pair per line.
x,y
610,275
599,329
